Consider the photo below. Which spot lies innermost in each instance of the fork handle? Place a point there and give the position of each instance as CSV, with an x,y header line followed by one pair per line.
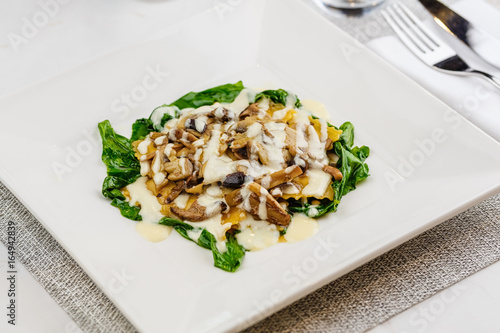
x,y
493,80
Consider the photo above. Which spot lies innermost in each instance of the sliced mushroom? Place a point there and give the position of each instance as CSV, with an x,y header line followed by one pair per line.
x,y
286,188
242,125
234,198
234,180
251,110
274,211
197,189
161,141
333,171
261,152
242,168
163,194
291,140
328,144
266,132
176,191
287,157
241,154
181,136
194,133
193,184
223,114
160,186
179,169
197,212
147,157
280,177
196,125
240,141
156,135
185,152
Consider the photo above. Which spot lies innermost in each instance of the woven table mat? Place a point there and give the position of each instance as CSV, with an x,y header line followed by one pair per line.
x,y
356,302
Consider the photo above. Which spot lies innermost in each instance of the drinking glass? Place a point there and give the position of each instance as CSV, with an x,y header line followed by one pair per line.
x,y
352,4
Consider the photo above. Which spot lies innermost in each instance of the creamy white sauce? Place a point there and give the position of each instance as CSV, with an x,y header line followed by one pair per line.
x,y
219,112
316,148
182,200
198,143
211,150
153,232
159,178
214,190
257,235
172,123
264,104
278,131
300,140
262,204
316,108
254,130
183,164
280,114
157,115
197,154
150,207
274,145
245,195
168,150
266,181
194,234
217,169
300,228
200,123
302,117
299,161
145,168
291,99
255,169
240,103
143,146
213,225
276,192
312,212
291,189
159,140
157,163
324,132
202,110
318,183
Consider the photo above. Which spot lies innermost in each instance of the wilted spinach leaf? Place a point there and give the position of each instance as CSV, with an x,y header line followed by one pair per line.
x,y
277,96
123,169
181,227
130,212
350,163
225,93
117,153
228,261
354,170
232,258
141,128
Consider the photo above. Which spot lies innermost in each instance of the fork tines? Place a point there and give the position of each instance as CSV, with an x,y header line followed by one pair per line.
x,y
417,37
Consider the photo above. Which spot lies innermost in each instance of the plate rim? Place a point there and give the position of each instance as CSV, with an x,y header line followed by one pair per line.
x,y
9,183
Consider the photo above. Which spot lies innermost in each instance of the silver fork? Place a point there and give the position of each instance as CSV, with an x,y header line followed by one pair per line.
x,y
427,46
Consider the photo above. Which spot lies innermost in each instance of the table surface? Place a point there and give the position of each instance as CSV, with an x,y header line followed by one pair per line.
x,y
73,35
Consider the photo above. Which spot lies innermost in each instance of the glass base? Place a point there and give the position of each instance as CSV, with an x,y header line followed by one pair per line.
x,y
352,4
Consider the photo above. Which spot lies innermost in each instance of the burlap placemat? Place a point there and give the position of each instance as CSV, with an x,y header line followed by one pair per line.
x,y
356,302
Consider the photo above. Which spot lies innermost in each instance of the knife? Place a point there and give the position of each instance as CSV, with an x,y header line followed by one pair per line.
x,y
485,45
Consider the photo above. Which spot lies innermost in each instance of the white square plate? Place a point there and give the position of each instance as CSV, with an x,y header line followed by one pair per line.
x,y
427,162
